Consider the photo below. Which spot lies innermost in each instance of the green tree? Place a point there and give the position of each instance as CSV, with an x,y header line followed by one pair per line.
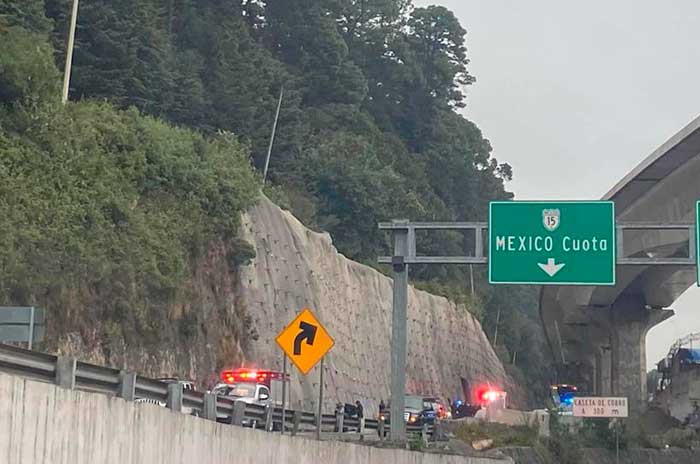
x,y
27,73
306,37
369,130
27,14
121,54
437,39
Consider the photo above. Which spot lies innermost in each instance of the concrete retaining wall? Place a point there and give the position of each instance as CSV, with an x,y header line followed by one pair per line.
x,y
296,268
44,424
232,319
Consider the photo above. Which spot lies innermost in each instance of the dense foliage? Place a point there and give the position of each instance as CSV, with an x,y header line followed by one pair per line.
x,y
367,129
103,212
369,126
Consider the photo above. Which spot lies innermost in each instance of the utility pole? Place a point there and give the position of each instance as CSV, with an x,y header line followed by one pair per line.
x,y
495,332
69,52
272,136
471,277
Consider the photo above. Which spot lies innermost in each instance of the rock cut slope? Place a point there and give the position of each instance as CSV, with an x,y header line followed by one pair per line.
x,y
296,268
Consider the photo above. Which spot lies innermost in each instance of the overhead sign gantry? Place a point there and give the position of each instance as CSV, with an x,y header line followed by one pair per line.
x,y
540,243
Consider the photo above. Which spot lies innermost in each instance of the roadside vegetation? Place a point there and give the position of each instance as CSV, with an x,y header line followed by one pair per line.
x,y
567,445
104,212
502,435
371,128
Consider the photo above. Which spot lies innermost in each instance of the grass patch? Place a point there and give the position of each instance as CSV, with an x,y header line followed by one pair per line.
x,y
502,435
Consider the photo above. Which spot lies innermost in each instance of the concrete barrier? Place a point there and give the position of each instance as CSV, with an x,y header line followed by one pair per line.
x,y
600,456
44,424
538,418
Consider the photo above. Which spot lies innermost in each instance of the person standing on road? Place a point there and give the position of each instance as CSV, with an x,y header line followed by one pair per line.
x,y
358,405
382,406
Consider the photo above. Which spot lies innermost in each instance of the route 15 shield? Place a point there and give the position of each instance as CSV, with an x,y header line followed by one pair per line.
x,y
550,219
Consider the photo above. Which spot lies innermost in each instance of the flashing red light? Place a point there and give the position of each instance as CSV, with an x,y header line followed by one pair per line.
x,y
489,395
248,375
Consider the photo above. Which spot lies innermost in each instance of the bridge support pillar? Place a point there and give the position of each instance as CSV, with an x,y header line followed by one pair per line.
x,y
584,374
603,380
598,374
631,319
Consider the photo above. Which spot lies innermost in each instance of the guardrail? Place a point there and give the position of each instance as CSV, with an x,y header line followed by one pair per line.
x,y
69,373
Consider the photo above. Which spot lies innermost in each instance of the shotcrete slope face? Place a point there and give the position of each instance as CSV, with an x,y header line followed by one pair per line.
x,y
296,268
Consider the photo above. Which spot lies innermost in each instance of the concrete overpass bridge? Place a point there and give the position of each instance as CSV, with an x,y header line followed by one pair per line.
x,y
597,334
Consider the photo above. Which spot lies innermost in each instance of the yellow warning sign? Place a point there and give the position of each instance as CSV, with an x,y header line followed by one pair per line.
x,y
305,341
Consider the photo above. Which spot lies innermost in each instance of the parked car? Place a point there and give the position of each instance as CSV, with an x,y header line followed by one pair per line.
x,y
248,392
245,377
438,406
417,412
462,409
187,385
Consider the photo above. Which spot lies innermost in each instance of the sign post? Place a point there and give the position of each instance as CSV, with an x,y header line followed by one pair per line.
x,y
606,407
306,342
617,443
284,390
319,418
552,243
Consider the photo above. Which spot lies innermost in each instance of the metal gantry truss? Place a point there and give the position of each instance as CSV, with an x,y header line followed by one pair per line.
x,y
404,234
689,260
479,255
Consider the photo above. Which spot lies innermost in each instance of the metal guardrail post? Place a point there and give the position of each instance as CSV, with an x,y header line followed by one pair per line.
x,y
238,413
318,420
296,423
380,428
174,400
127,385
269,409
65,372
339,419
361,428
209,411
424,434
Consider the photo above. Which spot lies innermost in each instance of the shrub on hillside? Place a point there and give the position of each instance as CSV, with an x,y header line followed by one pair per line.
x,y
103,212
113,207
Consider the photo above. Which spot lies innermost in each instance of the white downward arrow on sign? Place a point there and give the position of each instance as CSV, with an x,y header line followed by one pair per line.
x,y
550,268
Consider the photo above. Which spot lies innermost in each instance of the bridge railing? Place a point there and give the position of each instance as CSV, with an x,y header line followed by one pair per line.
x,y
69,373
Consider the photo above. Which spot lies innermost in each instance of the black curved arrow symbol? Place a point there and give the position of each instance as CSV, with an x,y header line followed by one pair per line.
x,y
308,333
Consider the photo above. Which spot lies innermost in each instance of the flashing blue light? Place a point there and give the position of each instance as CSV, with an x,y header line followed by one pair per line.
x,y
458,402
567,399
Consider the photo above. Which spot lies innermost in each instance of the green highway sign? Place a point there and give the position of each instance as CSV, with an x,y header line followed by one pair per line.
x,y
552,243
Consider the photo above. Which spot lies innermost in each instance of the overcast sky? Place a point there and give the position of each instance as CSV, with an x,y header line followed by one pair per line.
x,y
575,94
